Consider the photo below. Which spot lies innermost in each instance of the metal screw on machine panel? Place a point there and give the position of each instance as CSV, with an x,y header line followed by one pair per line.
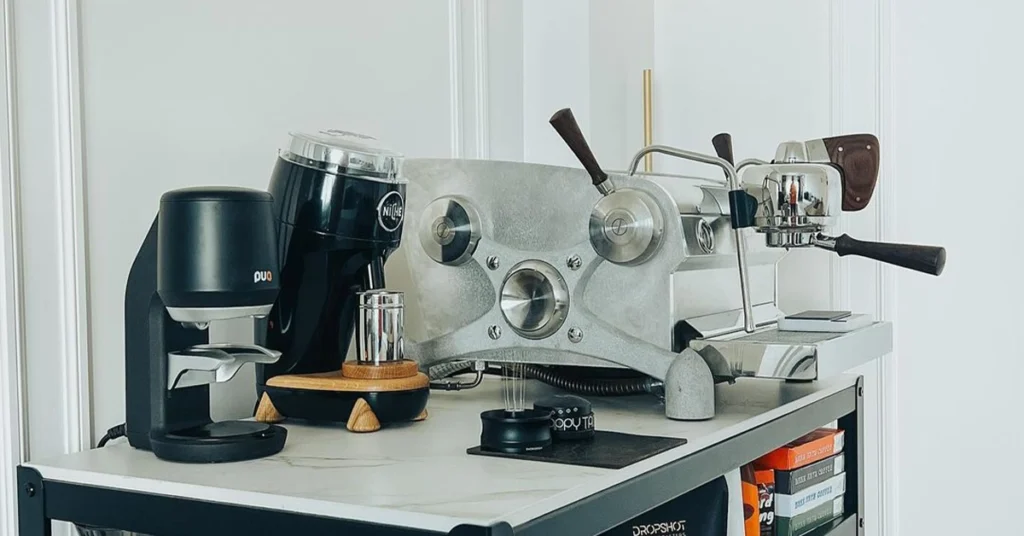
x,y
494,332
30,490
493,263
575,334
574,262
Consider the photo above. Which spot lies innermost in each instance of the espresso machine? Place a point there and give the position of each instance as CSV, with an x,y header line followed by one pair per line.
x,y
339,209
605,283
209,255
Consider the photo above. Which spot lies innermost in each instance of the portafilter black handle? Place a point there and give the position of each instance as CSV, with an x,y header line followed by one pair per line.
x,y
567,127
926,259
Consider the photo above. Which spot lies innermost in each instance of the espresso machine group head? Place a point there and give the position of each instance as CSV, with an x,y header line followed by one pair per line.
x,y
339,207
797,196
210,255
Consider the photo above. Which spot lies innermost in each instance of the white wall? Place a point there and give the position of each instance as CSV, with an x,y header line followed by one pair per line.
x,y
183,93
956,116
716,72
168,112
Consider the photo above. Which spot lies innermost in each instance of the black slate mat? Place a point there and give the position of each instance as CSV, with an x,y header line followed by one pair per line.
x,y
610,450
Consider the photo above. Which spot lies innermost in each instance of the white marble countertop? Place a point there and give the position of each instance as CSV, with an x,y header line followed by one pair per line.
x,y
418,474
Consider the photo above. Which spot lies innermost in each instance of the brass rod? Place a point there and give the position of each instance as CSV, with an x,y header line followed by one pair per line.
x,y
648,129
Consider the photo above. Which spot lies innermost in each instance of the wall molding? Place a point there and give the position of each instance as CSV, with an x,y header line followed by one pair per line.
x,y
455,74
859,82
839,297
468,78
74,307
12,438
46,167
481,90
887,288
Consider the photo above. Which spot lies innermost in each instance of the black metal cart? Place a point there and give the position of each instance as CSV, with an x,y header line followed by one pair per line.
x,y
417,479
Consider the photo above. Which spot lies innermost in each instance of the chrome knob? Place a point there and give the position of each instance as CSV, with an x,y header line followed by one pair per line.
x,y
449,230
626,227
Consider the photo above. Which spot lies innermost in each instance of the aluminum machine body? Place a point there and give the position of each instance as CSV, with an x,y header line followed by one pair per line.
x,y
525,263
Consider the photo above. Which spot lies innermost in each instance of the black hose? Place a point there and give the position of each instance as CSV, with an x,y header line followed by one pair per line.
x,y
444,370
590,386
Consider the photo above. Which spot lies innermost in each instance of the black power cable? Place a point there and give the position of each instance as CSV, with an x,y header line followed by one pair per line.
x,y
113,433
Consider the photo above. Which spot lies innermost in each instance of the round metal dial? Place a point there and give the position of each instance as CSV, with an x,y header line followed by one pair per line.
x,y
449,230
626,227
534,299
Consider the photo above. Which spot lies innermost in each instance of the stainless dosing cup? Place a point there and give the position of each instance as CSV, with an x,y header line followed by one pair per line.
x,y
380,328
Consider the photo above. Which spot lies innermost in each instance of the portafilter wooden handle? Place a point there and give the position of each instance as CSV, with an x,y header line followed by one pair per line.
x,y
925,259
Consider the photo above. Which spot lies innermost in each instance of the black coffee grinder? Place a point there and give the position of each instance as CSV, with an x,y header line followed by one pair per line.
x,y
210,254
339,201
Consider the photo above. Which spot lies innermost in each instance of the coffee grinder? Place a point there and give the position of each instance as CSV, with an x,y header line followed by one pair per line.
x,y
339,203
209,255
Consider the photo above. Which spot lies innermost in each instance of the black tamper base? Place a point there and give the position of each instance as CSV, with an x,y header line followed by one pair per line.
x,y
515,432
572,417
225,441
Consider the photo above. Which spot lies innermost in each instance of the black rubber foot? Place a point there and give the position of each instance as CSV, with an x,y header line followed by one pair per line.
x,y
225,441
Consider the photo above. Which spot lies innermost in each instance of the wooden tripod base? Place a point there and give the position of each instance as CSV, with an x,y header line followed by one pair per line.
x,y
364,396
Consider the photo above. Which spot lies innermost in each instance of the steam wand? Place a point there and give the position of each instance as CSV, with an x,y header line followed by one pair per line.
x,y
739,202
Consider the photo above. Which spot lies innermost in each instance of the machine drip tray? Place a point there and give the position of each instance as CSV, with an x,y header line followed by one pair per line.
x,y
794,355
609,450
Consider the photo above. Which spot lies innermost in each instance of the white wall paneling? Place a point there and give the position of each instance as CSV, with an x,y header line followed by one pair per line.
x,y
48,172
206,95
12,446
556,74
504,89
761,85
856,106
954,121
213,108
469,44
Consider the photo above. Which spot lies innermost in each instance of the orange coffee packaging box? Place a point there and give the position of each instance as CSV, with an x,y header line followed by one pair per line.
x,y
813,447
751,510
765,479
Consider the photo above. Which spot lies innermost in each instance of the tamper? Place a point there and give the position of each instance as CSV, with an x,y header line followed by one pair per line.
x,y
572,417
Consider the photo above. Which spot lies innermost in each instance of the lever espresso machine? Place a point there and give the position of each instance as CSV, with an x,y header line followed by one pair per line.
x,y
339,204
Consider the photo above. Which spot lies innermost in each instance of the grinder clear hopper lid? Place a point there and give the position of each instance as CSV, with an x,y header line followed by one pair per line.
x,y
344,152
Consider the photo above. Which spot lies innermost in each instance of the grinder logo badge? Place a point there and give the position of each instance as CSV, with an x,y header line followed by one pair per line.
x,y
265,276
390,211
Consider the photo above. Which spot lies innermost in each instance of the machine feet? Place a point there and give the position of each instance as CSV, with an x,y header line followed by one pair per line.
x,y
266,412
689,388
422,416
362,418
